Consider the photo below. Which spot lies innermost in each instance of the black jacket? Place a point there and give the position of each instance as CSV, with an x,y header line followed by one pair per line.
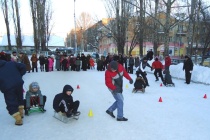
x,y
188,65
63,98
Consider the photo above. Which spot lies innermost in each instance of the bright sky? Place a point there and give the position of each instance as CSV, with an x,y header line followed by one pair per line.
x,y
63,16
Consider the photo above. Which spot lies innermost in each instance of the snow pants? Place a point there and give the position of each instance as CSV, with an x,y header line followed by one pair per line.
x,y
14,99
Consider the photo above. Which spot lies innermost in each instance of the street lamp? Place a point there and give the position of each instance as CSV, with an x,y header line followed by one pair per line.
x,y
75,32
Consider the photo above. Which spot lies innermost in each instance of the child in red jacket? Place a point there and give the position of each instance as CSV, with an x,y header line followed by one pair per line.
x,y
158,66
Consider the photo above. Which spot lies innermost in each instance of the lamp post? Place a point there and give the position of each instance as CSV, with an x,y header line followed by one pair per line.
x,y
75,32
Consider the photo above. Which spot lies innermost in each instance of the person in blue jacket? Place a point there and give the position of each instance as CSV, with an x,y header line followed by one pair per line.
x,y
11,85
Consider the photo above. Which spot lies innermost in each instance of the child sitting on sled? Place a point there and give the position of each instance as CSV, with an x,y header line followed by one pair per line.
x,y
63,103
139,84
167,79
34,98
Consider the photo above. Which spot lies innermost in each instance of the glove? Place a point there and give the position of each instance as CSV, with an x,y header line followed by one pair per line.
x,y
131,81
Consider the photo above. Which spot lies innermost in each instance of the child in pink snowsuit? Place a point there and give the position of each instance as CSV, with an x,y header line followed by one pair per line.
x,y
50,63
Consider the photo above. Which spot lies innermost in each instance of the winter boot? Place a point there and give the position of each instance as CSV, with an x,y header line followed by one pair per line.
x,y
76,113
26,111
122,119
20,109
42,108
18,118
110,113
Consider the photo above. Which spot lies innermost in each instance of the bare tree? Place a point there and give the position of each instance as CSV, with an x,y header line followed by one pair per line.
x,y
120,11
5,10
41,16
16,21
48,19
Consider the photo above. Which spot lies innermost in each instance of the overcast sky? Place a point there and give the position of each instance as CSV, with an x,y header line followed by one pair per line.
x,y
63,16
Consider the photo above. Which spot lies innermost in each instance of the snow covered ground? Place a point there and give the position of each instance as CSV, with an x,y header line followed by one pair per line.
x,y
183,115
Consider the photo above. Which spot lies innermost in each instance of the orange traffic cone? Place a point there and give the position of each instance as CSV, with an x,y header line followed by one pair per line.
x,y
161,84
160,99
78,87
205,96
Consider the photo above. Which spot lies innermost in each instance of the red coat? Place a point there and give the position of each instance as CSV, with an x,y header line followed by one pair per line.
x,y
110,76
157,65
92,63
167,61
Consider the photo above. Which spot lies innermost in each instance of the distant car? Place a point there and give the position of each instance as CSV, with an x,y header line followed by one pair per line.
x,y
206,62
199,59
175,61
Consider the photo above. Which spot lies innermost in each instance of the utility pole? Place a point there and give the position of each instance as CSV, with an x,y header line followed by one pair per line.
x,y
75,30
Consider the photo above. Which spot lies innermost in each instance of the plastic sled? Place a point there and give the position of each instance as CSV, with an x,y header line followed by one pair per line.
x,y
170,85
138,90
35,109
63,118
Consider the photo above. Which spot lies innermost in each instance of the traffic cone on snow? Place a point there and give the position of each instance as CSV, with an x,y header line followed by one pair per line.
x,y
90,114
205,96
126,86
161,84
78,87
160,99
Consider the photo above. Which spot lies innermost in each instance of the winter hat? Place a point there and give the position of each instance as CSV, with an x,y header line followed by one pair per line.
x,y
156,59
186,56
34,85
67,88
113,65
2,56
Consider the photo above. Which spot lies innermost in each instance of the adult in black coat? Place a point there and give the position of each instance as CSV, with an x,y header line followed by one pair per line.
x,y
188,67
84,62
150,54
11,85
63,102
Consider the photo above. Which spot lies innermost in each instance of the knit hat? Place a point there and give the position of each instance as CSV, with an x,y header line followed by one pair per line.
x,y
113,65
156,59
34,85
186,56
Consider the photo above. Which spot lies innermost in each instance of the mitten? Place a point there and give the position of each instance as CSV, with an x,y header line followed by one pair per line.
x,y
131,81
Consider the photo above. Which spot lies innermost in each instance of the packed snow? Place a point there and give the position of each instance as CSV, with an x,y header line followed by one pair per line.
x,y
183,113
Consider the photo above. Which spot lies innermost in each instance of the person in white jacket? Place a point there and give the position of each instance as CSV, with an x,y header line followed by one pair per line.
x,y
141,69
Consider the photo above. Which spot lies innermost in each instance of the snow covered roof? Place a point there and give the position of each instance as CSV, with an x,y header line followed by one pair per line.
x,y
28,41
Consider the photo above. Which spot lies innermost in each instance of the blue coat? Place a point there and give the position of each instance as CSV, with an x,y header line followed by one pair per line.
x,y
11,75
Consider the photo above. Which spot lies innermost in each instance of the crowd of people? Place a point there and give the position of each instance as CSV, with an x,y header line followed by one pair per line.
x,y
13,67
